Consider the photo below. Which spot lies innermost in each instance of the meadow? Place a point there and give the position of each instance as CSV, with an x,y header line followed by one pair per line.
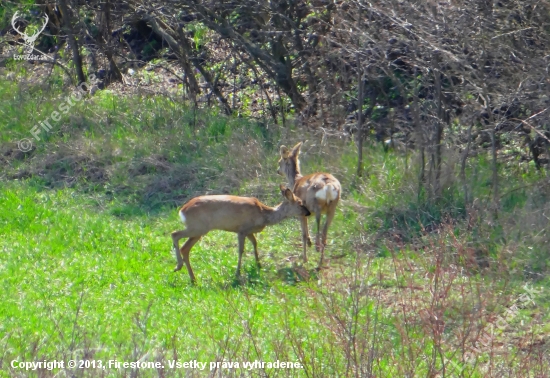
x,y
409,288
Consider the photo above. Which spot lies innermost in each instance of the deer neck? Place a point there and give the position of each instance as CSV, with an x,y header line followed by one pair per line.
x,y
274,215
294,175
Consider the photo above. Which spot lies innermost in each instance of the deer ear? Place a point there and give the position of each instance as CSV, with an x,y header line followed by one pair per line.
x,y
296,149
288,195
282,188
284,152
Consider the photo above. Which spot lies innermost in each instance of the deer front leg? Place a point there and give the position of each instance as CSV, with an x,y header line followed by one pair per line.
x,y
241,251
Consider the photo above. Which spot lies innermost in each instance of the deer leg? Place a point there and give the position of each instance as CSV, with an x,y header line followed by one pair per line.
x,y
305,237
241,251
176,236
305,229
308,239
185,249
328,221
252,239
318,236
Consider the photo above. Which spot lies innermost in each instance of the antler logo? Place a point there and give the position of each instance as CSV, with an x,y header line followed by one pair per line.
x,y
29,39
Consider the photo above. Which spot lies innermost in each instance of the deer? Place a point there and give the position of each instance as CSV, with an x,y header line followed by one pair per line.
x,y
243,215
320,193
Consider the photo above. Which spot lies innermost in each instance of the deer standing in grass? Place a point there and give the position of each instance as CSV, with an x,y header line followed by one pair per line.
x,y
320,193
242,215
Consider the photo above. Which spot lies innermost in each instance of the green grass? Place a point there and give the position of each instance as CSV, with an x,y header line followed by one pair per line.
x,y
73,276
80,282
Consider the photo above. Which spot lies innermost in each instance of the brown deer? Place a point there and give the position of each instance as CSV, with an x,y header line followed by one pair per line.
x,y
242,215
320,193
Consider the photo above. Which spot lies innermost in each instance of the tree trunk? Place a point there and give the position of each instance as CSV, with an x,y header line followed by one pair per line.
x,y
188,53
114,73
278,66
463,166
67,20
179,49
439,124
492,123
360,119
495,169
419,137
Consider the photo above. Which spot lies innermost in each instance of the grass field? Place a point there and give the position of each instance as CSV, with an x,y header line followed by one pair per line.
x,y
80,281
86,263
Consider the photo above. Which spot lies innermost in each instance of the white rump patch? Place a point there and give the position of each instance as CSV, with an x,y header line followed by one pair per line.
x,y
182,217
328,193
322,194
332,193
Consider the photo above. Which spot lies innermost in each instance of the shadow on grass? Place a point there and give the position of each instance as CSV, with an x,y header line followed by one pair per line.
x,y
296,274
251,277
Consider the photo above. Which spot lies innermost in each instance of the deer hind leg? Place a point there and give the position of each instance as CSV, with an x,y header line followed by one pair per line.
x,y
328,221
176,236
305,237
182,255
318,235
252,239
185,249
